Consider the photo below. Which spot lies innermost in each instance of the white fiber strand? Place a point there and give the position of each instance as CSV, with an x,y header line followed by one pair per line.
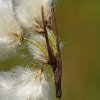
x,y
23,84
10,31
28,11
39,54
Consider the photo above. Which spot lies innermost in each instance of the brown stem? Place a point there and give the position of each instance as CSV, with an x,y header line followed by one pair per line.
x,y
50,51
55,61
58,72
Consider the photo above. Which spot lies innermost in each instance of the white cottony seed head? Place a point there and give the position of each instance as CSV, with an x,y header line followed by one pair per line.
x,y
23,84
39,51
38,46
10,31
28,11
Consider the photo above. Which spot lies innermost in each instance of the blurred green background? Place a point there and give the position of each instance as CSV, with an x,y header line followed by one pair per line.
x,y
79,26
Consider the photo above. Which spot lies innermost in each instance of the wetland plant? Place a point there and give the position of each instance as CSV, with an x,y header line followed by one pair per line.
x,y
37,17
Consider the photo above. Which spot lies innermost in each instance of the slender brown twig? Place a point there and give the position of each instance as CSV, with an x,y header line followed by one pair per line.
x,y
55,61
58,72
52,58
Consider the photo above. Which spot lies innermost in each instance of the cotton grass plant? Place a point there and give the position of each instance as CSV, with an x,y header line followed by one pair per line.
x,y
37,17
10,30
23,83
28,12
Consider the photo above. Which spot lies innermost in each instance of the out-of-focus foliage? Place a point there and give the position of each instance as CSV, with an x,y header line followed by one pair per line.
x,y
79,25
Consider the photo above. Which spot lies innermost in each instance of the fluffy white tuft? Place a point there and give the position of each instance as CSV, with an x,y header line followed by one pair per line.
x,y
10,31
39,53
39,47
27,11
23,84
